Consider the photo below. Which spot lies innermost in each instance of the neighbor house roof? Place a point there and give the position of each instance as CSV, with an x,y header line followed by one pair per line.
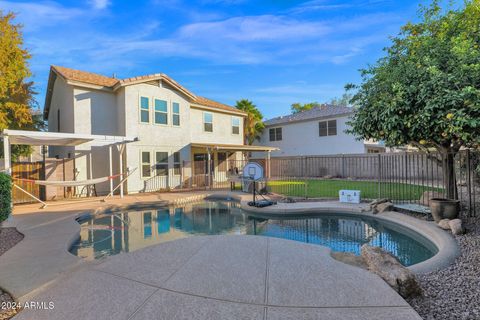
x,y
101,82
322,111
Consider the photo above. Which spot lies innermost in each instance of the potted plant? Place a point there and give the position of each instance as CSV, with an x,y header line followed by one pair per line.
x,y
442,208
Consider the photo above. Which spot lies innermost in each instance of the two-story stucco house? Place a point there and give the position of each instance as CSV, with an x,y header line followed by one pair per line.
x,y
178,133
319,131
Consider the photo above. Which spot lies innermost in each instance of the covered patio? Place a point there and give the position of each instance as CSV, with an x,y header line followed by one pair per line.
x,y
219,161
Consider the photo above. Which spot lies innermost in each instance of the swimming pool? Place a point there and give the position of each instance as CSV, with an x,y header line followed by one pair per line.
x,y
112,233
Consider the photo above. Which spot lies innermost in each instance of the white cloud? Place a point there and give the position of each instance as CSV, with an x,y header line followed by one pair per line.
x,y
254,28
35,15
99,4
298,89
70,36
323,5
227,2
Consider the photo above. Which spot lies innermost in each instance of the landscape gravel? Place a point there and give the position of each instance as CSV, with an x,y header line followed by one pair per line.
x,y
8,238
454,292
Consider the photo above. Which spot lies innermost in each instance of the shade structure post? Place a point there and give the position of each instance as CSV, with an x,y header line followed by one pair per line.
x,y
121,147
209,158
267,164
6,155
110,167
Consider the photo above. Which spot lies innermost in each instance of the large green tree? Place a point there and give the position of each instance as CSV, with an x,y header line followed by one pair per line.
x,y
426,90
300,107
253,125
16,91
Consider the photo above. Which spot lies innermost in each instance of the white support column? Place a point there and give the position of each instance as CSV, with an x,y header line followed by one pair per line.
x,y
110,167
209,158
6,155
267,165
120,151
90,165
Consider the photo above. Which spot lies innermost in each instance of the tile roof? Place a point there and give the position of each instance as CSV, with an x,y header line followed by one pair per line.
x,y
88,77
214,104
322,111
112,83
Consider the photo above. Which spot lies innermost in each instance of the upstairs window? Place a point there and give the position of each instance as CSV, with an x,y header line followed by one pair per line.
x,y
176,114
207,122
176,163
161,112
144,110
161,163
145,164
275,134
327,128
235,125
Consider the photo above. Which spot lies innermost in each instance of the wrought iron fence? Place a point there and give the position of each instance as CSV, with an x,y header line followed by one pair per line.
x,y
407,177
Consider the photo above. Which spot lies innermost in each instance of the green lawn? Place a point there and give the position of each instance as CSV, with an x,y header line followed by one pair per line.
x,y
329,189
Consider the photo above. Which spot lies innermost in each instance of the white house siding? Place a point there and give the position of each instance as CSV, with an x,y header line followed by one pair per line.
x,y
222,128
222,134
92,111
302,139
62,98
155,137
95,113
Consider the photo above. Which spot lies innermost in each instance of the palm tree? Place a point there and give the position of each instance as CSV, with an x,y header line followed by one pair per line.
x,y
252,125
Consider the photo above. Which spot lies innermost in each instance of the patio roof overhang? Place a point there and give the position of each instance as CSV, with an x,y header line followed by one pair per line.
x,y
42,138
233,147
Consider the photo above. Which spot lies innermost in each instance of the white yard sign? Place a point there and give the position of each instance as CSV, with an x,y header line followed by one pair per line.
x,y
349,196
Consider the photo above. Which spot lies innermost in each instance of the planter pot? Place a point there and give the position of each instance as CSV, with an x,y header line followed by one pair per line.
x,y
444,208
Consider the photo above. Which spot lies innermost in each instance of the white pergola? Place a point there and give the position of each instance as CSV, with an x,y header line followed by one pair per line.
x,y
42,138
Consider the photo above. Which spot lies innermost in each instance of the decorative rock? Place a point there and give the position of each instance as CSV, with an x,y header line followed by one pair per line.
x,y
387,267
453,292
427,195
288,200
381,205
349,258
444,224
378,201
386,206
456,226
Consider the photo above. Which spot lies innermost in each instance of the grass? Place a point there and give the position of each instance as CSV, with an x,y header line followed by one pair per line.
x,y
317,188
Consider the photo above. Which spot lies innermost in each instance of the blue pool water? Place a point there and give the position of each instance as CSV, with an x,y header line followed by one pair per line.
x,y
109,234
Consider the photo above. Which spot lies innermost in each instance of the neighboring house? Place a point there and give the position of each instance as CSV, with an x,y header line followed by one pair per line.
x,y
319,131
177,130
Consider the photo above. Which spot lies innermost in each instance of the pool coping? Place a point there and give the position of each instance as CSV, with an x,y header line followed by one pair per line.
x,y
448,249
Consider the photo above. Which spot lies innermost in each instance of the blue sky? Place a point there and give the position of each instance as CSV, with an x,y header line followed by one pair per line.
x,y
272,52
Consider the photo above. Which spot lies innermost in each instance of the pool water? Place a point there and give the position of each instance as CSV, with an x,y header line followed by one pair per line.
x,y
110,234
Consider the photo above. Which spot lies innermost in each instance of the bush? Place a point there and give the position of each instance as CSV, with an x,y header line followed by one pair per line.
x,y
5,196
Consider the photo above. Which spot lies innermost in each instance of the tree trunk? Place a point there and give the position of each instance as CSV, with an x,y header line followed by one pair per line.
x,y
449,179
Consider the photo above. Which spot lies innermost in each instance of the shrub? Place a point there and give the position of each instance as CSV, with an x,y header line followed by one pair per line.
x,y
5,196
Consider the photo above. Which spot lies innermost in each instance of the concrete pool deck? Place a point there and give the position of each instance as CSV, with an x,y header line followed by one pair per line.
x,y
40,267
222,277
